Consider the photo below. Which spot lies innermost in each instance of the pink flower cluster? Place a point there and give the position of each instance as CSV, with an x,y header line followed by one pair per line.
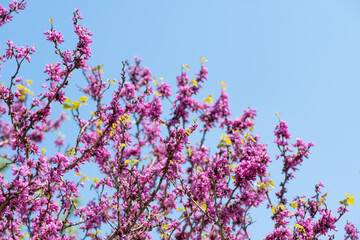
x,y
351,232
5,14
157,174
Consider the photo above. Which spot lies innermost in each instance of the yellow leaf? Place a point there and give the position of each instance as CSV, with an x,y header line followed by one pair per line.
x,y
125,117
293,205
76,105
83,99
156,93
99,122
194,82
252,138
273,210
161,78
185,66
203,59
300,227
209,99
223,85
29,82
87,178
166,226
92,235
51,20
189,150
228,141
351,200
281,206
43,150
68,101
123,145
188,131
277,114
204,206
271,184
95,179
99,231
70,152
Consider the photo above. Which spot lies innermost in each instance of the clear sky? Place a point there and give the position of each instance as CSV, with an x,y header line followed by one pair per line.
x,y
299,58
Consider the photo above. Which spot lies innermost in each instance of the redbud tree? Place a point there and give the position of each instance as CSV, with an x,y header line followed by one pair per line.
x,y
158,178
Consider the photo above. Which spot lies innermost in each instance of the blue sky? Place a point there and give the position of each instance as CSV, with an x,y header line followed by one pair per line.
x,y
299,58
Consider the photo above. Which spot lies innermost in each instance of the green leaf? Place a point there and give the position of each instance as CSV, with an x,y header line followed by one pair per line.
x,y
66,106
97,68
